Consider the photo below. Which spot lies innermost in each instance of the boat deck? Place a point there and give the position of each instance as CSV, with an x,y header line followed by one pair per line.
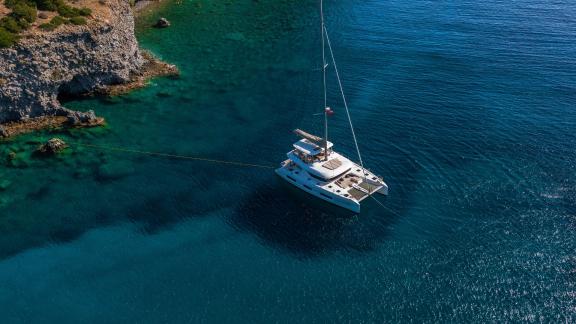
x,y
347,181
369,187
356,186
357,194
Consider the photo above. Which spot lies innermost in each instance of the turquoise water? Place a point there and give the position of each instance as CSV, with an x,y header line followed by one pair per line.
x,y
466,109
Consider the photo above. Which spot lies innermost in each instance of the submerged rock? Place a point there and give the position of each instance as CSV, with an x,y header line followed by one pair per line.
x,y
114,171
4,184
235,36
162,23
53,146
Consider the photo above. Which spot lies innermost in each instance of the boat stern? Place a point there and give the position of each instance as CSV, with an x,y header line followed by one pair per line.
x,y
384,189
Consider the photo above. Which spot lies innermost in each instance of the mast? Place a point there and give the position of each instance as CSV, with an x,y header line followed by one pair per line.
x,y
326,39
324,81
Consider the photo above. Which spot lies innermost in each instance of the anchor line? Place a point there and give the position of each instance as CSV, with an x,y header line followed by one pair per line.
x,y
174,156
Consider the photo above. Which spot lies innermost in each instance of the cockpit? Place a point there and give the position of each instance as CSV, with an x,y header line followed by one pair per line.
x,y
310,152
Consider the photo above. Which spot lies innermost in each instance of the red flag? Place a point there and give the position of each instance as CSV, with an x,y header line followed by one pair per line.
x,y
329,111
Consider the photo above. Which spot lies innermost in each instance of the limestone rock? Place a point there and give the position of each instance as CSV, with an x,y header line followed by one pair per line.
x,y
69,61
3,132
77,118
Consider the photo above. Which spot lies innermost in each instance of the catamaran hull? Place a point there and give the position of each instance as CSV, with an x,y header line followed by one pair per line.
x,y
318,192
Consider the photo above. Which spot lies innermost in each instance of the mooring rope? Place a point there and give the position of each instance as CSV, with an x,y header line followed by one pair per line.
x,y
173,156
185,157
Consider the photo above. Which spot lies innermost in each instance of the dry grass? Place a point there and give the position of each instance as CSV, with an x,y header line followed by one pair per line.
x,y
3,10
100,13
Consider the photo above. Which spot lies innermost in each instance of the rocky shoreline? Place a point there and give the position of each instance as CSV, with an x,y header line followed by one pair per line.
x,y
102,58
152,68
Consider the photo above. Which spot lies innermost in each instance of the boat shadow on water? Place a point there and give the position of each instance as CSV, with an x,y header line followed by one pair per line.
x,y
287,218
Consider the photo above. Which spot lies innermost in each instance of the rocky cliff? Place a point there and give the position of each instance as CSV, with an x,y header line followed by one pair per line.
x,y
45,66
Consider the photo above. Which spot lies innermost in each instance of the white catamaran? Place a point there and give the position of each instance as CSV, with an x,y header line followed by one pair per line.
x,y
316,168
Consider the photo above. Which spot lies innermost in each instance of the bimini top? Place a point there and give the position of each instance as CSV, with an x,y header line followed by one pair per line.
x,y
309,148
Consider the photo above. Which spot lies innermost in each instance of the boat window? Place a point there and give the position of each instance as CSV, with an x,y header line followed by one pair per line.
x,y
289,177
304,157
305,186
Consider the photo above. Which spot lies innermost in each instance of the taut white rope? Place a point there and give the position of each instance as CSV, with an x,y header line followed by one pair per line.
x,y
345,102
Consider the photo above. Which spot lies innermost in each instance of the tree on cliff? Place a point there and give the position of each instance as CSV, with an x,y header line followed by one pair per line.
x,y
7,38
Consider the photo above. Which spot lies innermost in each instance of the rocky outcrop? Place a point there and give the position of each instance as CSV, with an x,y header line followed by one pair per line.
x,y
46,66
53,146
162,23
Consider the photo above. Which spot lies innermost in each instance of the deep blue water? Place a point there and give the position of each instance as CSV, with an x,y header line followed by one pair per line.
x,y
465,107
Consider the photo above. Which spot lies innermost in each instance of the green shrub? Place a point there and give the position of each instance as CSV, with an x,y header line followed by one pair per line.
x,y
10,24
11,3
47,5
78,20
7,38
53,24
67,11
47,26
85,12
57,21
23,11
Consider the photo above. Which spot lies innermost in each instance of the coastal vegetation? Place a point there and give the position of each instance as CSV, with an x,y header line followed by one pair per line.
x,y
25,12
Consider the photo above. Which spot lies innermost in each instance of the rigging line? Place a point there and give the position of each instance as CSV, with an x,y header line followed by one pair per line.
x,y
384,206
174,156
378,201
345,102
324,65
